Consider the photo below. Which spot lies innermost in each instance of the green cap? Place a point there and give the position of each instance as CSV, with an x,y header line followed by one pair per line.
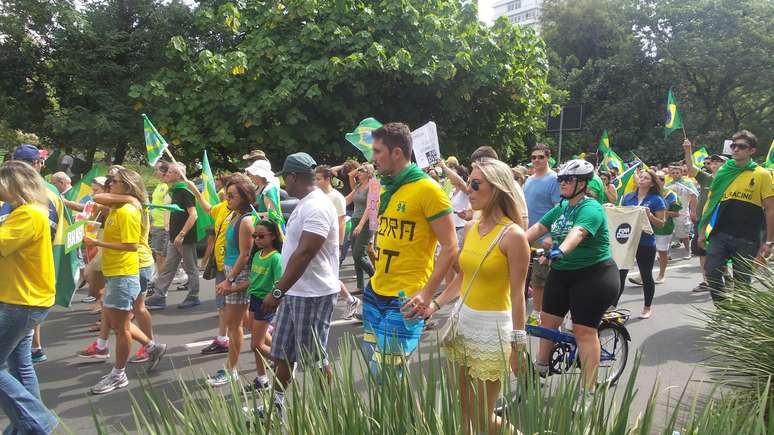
x,y
298,163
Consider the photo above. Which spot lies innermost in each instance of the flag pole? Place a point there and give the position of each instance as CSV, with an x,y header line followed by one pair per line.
x,y
166,150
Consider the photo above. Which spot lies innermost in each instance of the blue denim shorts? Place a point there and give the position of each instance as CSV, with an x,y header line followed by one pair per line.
x,y
220,300
146,274
121,291
258,313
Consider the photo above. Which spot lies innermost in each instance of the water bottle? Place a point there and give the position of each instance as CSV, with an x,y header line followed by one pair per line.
x,y
408,323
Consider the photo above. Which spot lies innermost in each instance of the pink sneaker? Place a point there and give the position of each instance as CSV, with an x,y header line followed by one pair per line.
x,y
140,357
94,353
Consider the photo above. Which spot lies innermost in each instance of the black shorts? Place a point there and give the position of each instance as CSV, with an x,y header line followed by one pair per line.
x,y
586,293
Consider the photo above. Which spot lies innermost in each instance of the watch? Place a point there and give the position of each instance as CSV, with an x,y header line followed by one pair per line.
x,y
770,243
231,280
277,293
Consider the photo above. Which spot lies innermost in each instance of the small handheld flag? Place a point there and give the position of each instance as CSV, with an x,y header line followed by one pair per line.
x,y
673,121
361,137
210,193
612,160
625,183
699,156
769,163
604,143
155,144
82,188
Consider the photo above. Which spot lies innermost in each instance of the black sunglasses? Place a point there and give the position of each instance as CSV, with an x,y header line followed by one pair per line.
x,y
740,146
566,178
474,184
260,236
537,157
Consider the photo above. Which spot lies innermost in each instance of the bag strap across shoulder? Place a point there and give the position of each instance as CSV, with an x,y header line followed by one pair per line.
x,y
492,245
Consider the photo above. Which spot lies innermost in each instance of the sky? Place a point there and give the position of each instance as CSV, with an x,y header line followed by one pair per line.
x,y
485,10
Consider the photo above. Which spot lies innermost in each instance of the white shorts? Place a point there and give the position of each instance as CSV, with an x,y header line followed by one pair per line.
x,y
662,243
682,227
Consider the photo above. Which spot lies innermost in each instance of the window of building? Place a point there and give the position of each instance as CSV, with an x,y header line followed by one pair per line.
x,y
512,6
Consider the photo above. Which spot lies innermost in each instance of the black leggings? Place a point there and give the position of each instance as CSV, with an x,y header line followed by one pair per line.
x,y
586,293
646,258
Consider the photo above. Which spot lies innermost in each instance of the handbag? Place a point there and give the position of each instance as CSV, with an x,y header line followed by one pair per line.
x,y
450,329
211,269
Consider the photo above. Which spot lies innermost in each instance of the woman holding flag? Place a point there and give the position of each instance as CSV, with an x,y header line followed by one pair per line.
x,y
239,246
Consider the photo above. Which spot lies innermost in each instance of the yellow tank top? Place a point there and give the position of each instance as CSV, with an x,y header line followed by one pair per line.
x,y
491,290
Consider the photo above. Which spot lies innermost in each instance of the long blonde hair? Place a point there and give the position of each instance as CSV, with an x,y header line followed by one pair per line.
x,y
136,189
499,175
21,184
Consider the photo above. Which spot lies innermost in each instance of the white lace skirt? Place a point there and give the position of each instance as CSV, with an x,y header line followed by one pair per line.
x,y
483,343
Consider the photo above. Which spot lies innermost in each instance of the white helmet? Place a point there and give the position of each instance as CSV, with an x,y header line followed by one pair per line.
x,y
579,168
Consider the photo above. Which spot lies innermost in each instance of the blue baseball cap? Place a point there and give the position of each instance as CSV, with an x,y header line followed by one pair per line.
x,y
27,152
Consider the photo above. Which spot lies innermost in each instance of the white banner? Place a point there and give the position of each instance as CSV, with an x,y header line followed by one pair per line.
x,y
426,149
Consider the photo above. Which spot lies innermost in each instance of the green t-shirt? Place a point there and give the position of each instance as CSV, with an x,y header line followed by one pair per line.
x,y
673,204
596,190
264,273
589,215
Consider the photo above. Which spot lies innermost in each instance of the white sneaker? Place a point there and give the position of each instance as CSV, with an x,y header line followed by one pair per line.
x,y
180,277
109,383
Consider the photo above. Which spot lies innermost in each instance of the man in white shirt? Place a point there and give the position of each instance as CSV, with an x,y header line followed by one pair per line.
x,y
306,293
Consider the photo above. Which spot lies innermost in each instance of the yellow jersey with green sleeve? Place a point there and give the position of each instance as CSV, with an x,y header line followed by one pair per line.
x,y
741,212
159,197
405,242
26,258
121,226
221,216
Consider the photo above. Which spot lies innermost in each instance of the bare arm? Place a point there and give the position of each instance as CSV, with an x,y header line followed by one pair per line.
x,y
688,154
206,206
535,232
611,193
657,220
342,229
452,290
573,239
72,205
455,179
516,249
110,199
768,205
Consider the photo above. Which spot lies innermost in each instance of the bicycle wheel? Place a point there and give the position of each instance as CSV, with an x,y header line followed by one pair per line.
x,y
614,353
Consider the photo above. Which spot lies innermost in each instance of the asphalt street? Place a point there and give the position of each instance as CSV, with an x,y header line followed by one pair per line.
x,y
669,343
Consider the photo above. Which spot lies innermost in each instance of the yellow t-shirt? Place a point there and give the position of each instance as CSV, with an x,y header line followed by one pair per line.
x,y
222,217
741,208
143,250
159,197
405,240
121,226
491,291
26,258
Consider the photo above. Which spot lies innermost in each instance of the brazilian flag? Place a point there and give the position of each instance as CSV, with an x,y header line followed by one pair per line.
x,y
673,121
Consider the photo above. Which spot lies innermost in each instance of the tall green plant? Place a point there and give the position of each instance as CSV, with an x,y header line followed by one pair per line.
x,y
425,400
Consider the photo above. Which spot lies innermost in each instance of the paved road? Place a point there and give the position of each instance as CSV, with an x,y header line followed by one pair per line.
x,y
668,342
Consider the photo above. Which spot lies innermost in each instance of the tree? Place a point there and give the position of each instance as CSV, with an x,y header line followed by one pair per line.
x,y
619,58
299,75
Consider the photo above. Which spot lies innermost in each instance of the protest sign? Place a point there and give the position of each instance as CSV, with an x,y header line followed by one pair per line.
x,y
727,147
426,149
74,236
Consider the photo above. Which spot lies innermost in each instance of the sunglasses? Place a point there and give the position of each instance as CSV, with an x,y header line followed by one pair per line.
x,y
474,184
566,178
260,236
740,146
537,157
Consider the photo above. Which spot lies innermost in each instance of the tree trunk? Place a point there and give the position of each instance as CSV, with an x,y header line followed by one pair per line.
x,y
120,153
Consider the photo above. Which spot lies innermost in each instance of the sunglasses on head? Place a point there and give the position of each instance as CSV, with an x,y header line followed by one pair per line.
x,y
474,184
740,146
537,157
566,178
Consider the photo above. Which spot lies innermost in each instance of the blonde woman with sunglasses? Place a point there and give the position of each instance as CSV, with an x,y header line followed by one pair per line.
x,y
493,269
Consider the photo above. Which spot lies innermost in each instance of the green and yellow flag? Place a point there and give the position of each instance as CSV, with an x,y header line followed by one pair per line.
x,y
604,143
65,264
769,163
155,144
673,121
699,156
82,188
210,193
637,158
626,183
361,137
612,160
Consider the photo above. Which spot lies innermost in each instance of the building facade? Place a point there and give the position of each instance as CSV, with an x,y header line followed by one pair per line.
x,y
522,12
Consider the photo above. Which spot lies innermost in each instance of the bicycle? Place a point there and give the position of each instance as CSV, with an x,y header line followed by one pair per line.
x,y
614,341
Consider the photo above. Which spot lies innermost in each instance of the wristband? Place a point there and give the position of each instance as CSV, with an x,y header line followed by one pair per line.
x,y
437,305
519,336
